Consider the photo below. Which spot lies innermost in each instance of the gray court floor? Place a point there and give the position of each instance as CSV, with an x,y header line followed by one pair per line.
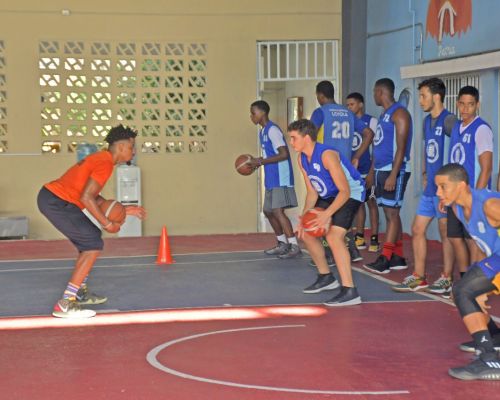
x,y
195,280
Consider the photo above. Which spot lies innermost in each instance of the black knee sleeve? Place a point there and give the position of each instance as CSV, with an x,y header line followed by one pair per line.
x,y
465,291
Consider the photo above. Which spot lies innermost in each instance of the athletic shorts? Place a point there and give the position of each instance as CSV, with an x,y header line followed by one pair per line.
x,y
392,199
70,221
455,228
344,215
490,265
279,197
428,206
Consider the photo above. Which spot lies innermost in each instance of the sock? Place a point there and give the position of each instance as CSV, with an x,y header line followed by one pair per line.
x,y
388,249
281,238
493,328
70,292
292,240
483,342
462,274
398,248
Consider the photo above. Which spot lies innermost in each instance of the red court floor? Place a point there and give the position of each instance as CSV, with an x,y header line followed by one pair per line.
x,y
379,350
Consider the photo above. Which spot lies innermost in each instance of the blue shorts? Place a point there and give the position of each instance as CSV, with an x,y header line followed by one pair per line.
x,y
429,207
392,199
490,265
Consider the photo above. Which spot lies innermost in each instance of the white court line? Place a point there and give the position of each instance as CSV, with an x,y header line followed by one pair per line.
x,y
135,256
134,265
152,359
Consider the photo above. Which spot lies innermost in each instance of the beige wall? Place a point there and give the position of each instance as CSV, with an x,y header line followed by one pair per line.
x,y
190,193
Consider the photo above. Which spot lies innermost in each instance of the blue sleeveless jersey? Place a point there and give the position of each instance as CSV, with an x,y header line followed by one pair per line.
x,y
321,179
435,145
336,126
463,149
485,235
365,160
384,143
276,174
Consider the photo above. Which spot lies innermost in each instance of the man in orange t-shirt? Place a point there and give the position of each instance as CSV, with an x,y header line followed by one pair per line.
x,y
62,202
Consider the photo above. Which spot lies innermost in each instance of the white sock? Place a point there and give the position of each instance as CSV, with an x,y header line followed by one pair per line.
x,y
292,240
281,238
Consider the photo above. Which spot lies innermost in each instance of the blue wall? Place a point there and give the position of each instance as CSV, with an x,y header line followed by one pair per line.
x,y
392,32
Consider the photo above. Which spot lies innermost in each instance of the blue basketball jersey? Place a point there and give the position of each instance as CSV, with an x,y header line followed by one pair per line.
x,y
336,126
276,174
384,143
485,235
321,179
435,145
365,160
463,149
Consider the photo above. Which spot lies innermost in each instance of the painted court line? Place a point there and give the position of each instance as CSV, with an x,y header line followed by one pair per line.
x,y
134,256
133,265
153,360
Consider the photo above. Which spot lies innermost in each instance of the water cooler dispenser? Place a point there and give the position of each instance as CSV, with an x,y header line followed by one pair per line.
x,y
128,192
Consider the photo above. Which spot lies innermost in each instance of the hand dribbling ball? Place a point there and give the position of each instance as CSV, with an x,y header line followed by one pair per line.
x,y
307,223
242,164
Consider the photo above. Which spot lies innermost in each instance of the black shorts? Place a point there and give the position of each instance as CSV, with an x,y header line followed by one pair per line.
x,y
70,221
344,215
455,228
392,199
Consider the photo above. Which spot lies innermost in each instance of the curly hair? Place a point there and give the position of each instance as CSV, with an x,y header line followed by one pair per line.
x,y
120,132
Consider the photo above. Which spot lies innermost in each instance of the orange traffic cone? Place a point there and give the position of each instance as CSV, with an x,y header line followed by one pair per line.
x,y
164,254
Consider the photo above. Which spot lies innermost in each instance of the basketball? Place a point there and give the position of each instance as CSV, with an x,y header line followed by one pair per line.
x,y
307,219
242,166
113,210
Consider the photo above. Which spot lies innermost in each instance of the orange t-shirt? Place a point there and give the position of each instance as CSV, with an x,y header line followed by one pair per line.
x,y
98,166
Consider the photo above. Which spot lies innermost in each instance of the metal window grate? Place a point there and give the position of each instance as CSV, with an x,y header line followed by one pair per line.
x,y
453,84
297,60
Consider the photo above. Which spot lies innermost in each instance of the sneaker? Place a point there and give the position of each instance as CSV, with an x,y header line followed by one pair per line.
x,y
483,368
374,246
323,282
348,296
441,285
360,242
470,347
65,308
84,296
379,266
329,260
280,248
292,252
397,263
412,283
354,253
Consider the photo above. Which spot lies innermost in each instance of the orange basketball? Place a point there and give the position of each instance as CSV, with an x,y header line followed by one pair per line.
x,y
113,210
307,219
242,166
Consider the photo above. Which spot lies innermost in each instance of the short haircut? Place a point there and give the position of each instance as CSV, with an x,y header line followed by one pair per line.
x,y
356,96
435,85
455,172
261,105
304,127
470,90
119,133
387,84
326,89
